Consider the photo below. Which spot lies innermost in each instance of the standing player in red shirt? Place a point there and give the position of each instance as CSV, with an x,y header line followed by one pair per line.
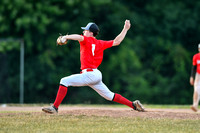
x,y
91,56
195,80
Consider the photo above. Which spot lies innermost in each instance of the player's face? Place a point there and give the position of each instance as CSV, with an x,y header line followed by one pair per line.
x,y
87,33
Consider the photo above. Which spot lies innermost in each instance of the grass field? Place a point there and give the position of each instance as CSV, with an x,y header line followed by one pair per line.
x,y
99,119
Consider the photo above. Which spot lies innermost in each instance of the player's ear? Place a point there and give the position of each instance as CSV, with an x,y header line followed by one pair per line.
x,y
92,33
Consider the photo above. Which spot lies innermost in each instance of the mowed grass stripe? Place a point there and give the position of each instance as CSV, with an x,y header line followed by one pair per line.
x,y
40,122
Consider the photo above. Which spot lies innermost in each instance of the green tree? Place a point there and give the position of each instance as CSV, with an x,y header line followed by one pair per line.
x,y
152,64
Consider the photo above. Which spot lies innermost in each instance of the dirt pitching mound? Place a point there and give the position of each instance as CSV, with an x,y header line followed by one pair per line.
x,y
111,112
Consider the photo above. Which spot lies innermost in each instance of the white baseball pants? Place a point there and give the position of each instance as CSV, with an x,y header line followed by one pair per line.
x,y
92,79
197,88
197,83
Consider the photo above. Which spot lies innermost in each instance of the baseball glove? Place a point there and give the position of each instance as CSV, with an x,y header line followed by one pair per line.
x,y
59,41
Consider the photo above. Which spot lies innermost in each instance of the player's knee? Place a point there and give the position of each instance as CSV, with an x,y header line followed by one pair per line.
x,y
109,96
197,89
63,81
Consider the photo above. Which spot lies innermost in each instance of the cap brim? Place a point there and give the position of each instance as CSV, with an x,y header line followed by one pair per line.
x,y
84,28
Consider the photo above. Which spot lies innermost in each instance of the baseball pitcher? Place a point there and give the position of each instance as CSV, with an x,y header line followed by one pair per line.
x,y
195,80
91,56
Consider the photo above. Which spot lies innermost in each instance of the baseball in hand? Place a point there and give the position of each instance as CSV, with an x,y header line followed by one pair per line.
x,y
60,41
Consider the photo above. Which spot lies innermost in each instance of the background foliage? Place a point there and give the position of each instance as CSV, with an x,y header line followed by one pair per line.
x,y
152,64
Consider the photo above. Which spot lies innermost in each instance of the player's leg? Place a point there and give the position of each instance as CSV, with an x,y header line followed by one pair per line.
x,y
103,90
194,107
136,105
83,79
73,80
196,93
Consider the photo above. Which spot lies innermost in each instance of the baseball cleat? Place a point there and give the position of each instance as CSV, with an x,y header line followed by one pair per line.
x,y
138,106
51,110
194,108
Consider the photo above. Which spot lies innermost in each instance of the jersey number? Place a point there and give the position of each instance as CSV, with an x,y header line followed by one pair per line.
x,y
93,48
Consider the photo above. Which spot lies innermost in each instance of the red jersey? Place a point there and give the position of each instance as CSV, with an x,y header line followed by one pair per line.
x,y
196,62
91,52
